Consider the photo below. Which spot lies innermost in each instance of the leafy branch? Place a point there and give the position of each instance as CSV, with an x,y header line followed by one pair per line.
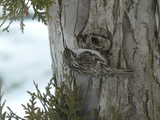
x,y
63,104
2,115
15,10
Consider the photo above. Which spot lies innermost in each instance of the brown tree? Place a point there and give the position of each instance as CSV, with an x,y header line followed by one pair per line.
x,y
126,33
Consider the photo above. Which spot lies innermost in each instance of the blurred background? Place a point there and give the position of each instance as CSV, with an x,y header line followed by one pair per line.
x,y
24,58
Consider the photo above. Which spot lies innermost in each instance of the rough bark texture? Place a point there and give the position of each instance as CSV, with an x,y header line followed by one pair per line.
x,y
132,27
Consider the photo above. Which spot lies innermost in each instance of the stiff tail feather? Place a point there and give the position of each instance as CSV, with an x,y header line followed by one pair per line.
x,y
123,72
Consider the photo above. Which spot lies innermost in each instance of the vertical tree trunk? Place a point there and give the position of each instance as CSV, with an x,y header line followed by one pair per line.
x,y
132,32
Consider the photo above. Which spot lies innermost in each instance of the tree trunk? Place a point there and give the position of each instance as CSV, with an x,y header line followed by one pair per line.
x,y
130,30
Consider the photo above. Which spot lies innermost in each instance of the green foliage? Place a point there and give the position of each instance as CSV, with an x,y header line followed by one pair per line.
x,y
96,115
61,106
13,10
2,115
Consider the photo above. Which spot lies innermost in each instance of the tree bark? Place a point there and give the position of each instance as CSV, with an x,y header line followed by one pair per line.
x,y
132,32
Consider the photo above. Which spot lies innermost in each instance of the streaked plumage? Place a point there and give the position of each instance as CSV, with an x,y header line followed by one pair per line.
x,y
91,63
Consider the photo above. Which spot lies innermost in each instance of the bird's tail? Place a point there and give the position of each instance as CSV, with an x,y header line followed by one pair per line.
x,y
123,72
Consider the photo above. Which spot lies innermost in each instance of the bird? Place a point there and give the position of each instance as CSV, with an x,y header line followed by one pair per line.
x,y
91,63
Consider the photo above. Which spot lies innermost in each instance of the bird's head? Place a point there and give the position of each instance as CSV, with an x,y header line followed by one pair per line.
x,y
68,55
